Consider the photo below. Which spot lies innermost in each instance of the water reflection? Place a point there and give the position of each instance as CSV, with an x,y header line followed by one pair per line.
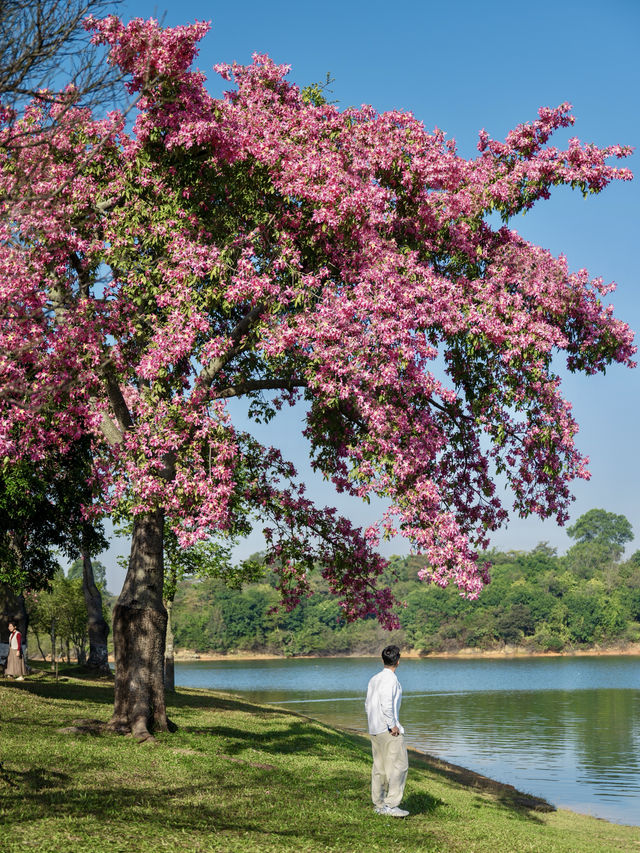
x,y
567,746
564,729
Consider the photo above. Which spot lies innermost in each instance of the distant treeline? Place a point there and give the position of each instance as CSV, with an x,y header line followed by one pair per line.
x,y
536,599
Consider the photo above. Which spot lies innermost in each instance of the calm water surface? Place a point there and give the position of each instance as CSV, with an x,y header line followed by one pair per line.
x,y
566,729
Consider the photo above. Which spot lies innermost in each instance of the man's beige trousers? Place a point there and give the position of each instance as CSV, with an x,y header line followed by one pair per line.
x,y
390,766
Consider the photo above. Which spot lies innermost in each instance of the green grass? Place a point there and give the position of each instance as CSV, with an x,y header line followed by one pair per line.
x,y
242,777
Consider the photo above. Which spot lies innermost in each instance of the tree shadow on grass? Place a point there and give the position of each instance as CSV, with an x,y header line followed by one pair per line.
x,y
297,737
42,669
301,735
508,797
35,779
85,693
292,739
176,811
303,809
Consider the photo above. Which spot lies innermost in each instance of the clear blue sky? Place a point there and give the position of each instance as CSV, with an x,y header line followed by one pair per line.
x,y
463,66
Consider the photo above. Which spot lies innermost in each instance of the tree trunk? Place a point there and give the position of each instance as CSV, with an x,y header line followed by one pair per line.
x,y
37,636
139,625
12,609
98,628
169,667
53,644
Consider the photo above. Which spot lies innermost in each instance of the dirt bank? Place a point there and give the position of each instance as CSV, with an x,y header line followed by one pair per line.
x,y
505,652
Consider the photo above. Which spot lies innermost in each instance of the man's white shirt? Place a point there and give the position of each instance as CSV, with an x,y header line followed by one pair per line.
x,y
382,705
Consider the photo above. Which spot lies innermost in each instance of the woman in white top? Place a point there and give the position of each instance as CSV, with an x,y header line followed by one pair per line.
x,y
15,661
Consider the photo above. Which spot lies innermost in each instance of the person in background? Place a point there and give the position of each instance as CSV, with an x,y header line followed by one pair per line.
x,y
15,661
390,759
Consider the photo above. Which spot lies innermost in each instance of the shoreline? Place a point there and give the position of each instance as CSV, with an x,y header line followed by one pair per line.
x,y
456,773
508,652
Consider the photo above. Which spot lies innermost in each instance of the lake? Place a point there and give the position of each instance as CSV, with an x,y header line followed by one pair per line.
x,y
566,729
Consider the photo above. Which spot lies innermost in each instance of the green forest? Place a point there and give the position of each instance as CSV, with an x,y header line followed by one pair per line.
x,y
536,600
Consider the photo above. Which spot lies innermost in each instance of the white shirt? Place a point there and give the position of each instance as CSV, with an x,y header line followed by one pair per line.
x,y
384,695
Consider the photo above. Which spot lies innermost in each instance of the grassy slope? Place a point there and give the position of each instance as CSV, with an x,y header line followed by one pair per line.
x,y
242,777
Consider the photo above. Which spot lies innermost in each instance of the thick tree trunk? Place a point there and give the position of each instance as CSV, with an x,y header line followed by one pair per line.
x,y
12,609
169,666
139,626
98,628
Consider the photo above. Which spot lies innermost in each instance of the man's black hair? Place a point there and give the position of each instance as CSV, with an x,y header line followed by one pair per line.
x,y
390,655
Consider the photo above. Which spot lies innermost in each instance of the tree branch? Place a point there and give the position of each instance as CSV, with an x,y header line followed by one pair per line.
x,y
260,385
82,274
116,398
210,372
110,431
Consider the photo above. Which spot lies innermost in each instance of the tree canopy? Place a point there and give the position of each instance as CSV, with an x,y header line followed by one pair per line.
x,y
260,243
272,247
598,525
42,513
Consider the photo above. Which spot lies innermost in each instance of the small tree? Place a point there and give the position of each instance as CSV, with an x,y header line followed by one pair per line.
x,y
12,609
61,612
93,576
598,525
42,504
600,539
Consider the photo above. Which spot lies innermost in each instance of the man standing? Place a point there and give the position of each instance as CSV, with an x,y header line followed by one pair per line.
x,y
390,760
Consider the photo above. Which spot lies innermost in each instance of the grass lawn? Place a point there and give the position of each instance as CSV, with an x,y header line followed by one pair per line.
x,y
242,777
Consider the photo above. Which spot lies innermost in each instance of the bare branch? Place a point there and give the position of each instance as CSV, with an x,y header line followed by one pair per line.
x,y
237,336
116,398
43,43
260,385
110,431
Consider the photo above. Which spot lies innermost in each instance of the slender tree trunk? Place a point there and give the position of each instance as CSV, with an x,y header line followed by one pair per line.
x,y
139,626
53,644
98,628
169,666
37,635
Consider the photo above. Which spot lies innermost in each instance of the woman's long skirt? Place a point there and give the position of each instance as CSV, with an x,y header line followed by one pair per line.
x,y
15,665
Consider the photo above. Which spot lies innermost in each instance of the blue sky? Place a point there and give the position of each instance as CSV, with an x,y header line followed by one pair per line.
x,y
463,66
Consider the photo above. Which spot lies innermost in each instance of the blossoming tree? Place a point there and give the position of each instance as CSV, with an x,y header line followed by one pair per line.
x,y
274,248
